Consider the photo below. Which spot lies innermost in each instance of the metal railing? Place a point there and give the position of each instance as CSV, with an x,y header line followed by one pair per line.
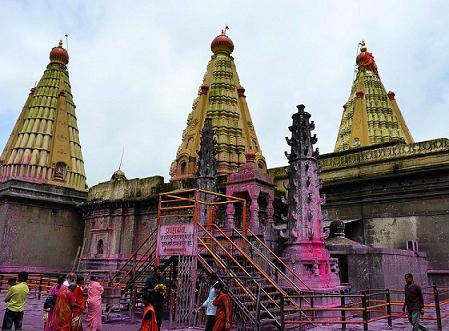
x,y
365,307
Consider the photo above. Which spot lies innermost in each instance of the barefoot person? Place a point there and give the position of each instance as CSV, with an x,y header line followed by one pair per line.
x,y
149,322
414,302
77,312
208,306
223,317
60,315
155,286
94,292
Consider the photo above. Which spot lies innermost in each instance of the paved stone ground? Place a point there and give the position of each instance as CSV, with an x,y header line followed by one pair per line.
x,y
33,321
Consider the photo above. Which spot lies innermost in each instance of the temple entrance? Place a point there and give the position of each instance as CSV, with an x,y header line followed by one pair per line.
x,y
179,215
188,246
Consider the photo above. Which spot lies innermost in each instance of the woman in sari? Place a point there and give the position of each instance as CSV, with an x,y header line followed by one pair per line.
x,y
77,312
149,321
94,292
60,316
223,316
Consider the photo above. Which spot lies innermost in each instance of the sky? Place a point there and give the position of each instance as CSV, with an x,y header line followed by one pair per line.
x,y
135,68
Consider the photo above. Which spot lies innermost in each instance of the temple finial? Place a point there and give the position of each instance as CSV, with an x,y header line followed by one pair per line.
x,y
223,31
362,46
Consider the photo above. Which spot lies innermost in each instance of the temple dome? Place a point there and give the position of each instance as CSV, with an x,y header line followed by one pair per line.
x,y
118,175
222,44
365,60
58,54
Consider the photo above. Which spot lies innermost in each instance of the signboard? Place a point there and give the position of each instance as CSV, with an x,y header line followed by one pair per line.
x,y
176,239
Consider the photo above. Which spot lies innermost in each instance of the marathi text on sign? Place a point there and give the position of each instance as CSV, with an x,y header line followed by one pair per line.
x,y
176,239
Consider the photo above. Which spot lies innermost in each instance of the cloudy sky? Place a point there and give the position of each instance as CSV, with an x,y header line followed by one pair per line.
x,y
135,68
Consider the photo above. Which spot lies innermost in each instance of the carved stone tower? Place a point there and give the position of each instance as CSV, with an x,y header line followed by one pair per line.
x,y
222,99
305,249
206,175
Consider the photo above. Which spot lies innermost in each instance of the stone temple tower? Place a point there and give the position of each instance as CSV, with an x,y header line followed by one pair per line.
x,y
371,115
42,177
305,248
222,99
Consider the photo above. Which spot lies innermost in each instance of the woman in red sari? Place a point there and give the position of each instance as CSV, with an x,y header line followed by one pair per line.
x,y
60,316
223,316
77,312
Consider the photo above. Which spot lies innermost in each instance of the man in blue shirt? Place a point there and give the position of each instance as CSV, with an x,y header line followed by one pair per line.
x,y
208,306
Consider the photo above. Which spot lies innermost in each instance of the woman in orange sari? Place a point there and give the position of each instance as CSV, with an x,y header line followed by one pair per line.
x,y
223,316
149,321
77,312
60,316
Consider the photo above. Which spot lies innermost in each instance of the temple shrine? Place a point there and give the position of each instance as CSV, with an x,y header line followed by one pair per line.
x,y
281,239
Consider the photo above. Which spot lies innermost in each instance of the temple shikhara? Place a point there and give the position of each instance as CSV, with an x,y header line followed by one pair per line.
x,y
283,240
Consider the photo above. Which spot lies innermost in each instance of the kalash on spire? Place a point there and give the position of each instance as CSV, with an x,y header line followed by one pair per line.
x,y
44,145
371,115
222,99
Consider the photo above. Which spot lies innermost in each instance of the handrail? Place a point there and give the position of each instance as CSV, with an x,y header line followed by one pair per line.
x,y
240,266
284,276
223,266
278,259
143,261
260,270
132,256
235,298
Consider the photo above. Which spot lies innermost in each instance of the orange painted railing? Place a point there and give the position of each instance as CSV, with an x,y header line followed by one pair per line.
x,y
365,307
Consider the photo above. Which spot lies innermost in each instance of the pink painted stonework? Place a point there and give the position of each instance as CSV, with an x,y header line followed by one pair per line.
x,y
305,249
257,187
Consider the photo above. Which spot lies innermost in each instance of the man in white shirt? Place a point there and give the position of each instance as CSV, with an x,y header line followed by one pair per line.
x,y
208,306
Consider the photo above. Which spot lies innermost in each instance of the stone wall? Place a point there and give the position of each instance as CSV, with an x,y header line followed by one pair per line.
x,y
38,232
119,215
389,194
381,267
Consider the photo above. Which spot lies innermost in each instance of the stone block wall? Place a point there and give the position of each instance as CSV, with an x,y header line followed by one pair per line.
x,y
38,236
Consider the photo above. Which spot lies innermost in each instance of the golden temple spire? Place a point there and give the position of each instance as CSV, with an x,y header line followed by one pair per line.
x,y
221,98
371,115
44,145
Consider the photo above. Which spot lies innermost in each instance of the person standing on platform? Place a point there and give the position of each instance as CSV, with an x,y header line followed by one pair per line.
x,y
208,306
414,302
94,292
16,298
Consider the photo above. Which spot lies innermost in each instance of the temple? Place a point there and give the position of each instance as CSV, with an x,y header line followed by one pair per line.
x,y
371,115
221,98
389,191
382,196
42,176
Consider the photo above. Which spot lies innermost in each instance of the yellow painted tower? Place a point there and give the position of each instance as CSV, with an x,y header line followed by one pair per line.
x,y
44,145
221,98
371,115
